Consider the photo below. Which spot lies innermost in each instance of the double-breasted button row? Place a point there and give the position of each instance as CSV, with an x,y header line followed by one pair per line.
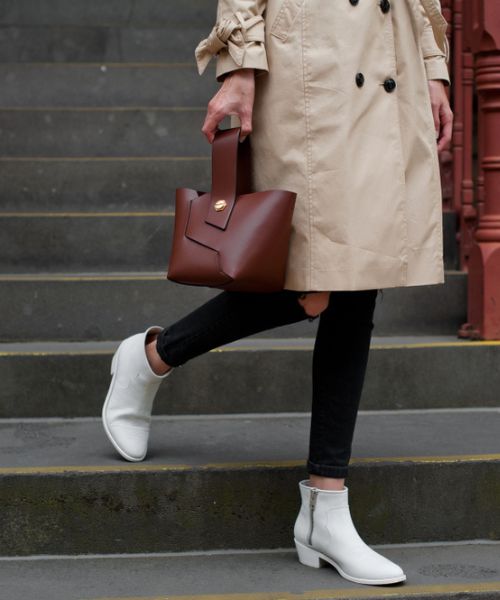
x,y
389,83
385,5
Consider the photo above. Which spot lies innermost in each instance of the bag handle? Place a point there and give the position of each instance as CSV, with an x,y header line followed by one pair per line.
x,y
231,174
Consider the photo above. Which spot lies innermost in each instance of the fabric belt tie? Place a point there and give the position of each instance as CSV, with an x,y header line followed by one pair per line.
x,y
231,35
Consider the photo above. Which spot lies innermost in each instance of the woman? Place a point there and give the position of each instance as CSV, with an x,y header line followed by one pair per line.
x,y
347,107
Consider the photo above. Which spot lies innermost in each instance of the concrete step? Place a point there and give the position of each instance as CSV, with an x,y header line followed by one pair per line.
x,y
251,375
99,132
115,84
78,307
86,241
433,571
101,183
118,13
208,480
163,42
102,242
122,184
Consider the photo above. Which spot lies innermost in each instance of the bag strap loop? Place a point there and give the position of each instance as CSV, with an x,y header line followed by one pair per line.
x,y
231,174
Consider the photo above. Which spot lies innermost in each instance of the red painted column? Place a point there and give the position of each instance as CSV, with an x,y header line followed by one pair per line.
x,y
446,156
484,260
463,129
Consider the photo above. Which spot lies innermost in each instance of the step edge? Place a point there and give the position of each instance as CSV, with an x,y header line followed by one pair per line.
x,y
130,275
299,344
241,466
235,551
401,592
81,214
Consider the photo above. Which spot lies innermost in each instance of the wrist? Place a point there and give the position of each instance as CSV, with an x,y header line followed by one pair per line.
x,y
243,72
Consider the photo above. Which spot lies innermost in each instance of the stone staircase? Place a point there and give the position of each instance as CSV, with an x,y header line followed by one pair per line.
x,y
101,108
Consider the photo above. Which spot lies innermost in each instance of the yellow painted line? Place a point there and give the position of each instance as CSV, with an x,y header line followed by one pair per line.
x,y
452,458
59,353
70,278
139,277
99,158
102,108
120,468
319,594
373,347
248,348
247,465
79,215
438,344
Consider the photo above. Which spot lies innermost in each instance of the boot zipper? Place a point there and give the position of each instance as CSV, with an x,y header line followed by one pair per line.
x,y
312,504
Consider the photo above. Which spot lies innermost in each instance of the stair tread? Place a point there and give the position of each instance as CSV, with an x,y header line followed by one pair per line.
x,y
137,274
436,568
260,373
250,343
424,309
249,439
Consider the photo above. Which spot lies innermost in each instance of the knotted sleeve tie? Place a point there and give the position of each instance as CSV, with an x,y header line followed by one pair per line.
x,y
231,35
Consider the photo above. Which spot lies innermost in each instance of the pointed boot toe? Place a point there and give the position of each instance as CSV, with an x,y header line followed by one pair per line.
x,y
324,533
126,413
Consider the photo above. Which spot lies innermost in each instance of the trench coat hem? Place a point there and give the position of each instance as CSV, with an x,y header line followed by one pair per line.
x,y
378,282
424,266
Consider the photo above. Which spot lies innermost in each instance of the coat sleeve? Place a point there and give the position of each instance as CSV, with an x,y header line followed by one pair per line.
x,y
237,39
436,61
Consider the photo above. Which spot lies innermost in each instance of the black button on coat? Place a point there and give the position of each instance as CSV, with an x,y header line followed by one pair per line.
x,y
389,84
385,6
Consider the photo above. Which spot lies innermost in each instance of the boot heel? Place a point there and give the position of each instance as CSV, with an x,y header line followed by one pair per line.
x,y
307,556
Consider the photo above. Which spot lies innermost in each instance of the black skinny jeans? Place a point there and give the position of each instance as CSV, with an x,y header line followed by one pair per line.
x,y
339,358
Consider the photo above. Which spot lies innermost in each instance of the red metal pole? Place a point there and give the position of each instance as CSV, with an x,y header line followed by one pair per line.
x,y
463,128
484,261
446,156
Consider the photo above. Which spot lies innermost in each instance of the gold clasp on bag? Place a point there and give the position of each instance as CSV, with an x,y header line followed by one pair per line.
x,y
220,205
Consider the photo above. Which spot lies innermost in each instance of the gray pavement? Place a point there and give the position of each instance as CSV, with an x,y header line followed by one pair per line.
x,y
461,566
240,438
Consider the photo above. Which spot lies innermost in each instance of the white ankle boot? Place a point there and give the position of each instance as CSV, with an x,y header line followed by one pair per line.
x,y
126,414
324,531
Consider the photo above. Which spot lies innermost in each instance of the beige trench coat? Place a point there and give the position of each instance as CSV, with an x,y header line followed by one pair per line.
x,y
342,116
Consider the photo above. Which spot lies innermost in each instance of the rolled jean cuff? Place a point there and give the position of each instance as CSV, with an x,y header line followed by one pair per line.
x,y
327,470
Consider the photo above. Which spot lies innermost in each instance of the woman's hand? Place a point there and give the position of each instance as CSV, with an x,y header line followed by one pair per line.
x,y
443,116
235,97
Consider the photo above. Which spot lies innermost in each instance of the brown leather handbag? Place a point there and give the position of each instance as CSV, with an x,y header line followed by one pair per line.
x,y
231,238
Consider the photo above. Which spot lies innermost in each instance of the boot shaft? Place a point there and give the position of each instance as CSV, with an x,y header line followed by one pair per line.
x,y
315,503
